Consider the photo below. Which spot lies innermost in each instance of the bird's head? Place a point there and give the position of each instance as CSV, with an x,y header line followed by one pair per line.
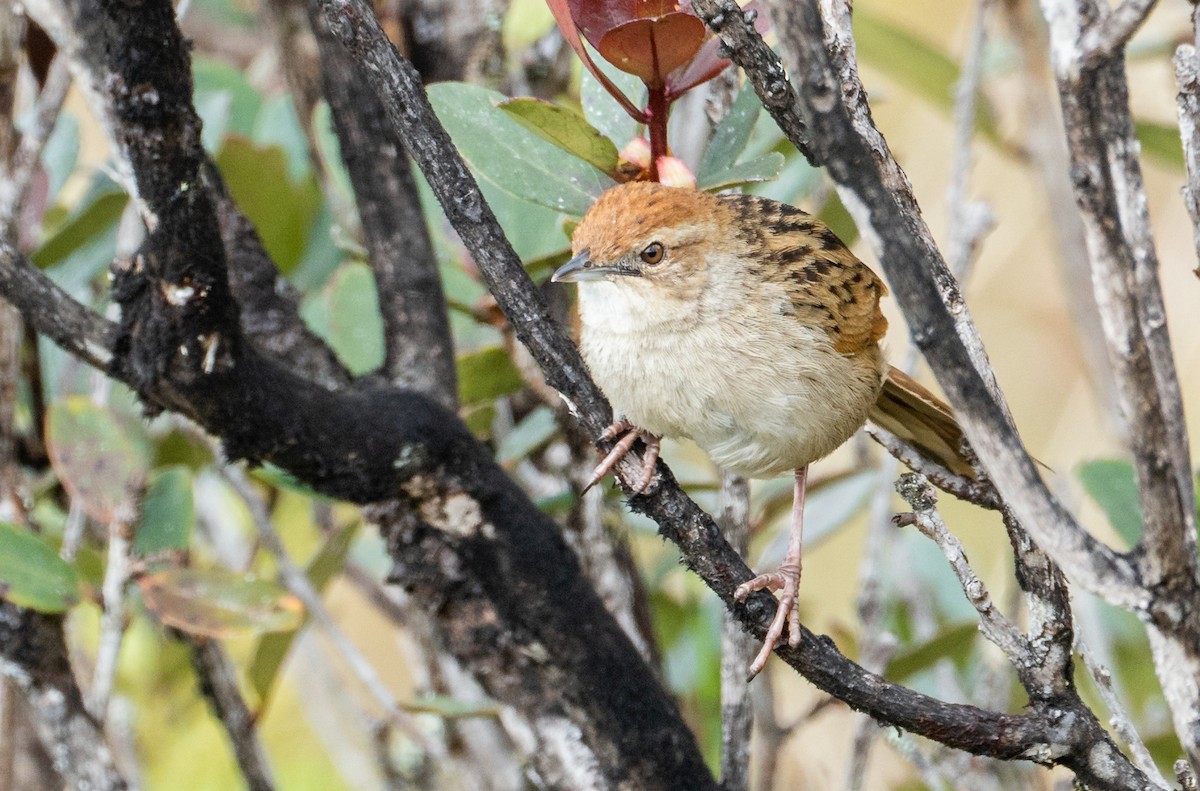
x,y
645,237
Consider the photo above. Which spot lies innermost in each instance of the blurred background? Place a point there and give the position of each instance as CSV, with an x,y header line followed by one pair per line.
x,y
1027,289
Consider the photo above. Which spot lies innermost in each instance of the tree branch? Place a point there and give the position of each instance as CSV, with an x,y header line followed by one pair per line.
x,y
420,353
34,655
219,684
844,140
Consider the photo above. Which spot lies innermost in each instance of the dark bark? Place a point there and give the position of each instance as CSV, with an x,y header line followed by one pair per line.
x,y
550,648
420,353
219,685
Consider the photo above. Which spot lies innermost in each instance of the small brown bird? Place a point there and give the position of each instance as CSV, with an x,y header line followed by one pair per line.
x,y
745,325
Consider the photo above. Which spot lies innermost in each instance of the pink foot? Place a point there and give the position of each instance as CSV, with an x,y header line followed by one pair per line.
x,y
629,434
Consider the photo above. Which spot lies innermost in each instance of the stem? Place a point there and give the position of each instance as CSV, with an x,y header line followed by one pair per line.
x,y
657,112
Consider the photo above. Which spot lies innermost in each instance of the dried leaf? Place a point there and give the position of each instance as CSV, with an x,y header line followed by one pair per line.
x,y
217,603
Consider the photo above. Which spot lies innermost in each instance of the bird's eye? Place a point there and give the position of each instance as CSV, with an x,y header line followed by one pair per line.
x,y
653,253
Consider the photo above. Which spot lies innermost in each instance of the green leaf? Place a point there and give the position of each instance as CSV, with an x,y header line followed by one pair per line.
x,y
540,269
762,168
834,214
97,217
1111,484
280,478
532,432
486,374
281,209
831,504
516,160
277,125
602,110
346,314
61,153
566,129
168,512
217,603
953,642
220,85
915,64
273,648
95,456
450,708
730,139
1161,143
32,574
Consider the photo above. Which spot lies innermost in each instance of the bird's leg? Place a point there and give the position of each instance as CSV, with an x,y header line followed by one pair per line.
x,y
786,578
629,434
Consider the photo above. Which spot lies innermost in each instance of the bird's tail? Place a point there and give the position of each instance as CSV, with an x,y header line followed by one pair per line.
x,y
915,415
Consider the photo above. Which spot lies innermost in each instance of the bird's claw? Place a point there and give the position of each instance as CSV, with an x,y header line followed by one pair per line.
x,y
629,434
787,580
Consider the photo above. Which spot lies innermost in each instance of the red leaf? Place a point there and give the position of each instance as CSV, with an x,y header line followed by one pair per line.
x,y
596,17
707,63
654,47
570,32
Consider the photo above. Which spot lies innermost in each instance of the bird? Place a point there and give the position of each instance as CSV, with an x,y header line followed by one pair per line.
x,y
746,325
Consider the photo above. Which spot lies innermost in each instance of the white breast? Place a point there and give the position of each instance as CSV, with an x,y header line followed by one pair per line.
x,y
762,393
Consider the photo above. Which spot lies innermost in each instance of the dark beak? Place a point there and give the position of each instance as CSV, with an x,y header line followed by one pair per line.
x,y
581,268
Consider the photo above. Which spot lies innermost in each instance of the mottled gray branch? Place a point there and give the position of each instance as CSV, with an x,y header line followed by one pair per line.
x,y
737,648
33,655
1116,27
1187,76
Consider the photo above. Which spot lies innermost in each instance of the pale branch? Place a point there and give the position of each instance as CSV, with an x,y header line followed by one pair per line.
x,y
1111,195
1186,776
112,619
21,167
33,654
219,685
1118,717
1187,76
737,648
969,220
1116,27
1110,192
1000,631
978,492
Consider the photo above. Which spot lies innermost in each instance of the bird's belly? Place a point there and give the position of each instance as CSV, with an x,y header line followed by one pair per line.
x,y
755,412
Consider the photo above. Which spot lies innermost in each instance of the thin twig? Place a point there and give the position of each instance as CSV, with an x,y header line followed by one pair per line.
x,y
969,220
112,620
737,648
1187,77
298,583
921,497
1118,717
15,182
1186,775
981,493
219,683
